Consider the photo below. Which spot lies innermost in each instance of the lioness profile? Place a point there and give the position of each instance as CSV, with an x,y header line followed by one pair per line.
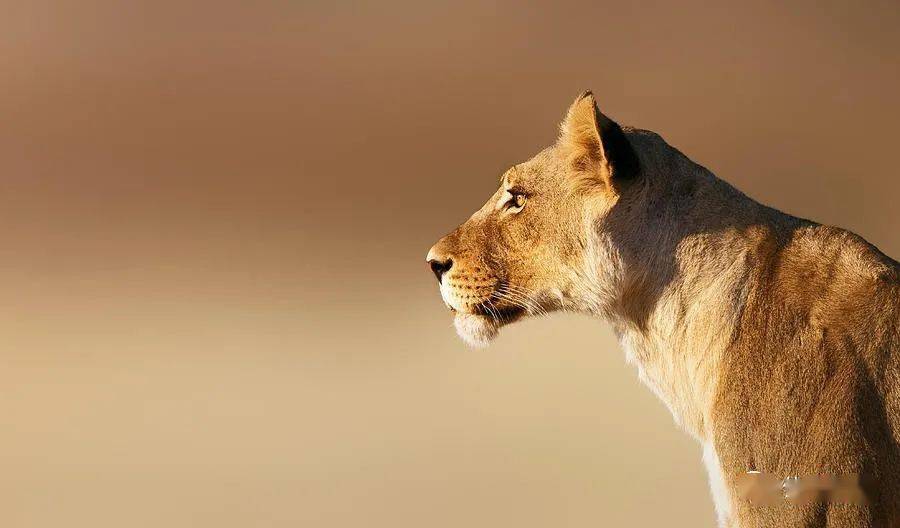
x,y
773,340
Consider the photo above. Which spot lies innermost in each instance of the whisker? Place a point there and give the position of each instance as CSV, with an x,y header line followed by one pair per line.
x,y
489,308
499,317
514,302
527,296
518,300
522,299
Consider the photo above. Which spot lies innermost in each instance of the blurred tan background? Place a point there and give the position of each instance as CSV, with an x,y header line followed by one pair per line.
x,y
214,215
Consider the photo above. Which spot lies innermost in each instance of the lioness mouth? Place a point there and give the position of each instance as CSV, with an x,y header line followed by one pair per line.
x,y
502,315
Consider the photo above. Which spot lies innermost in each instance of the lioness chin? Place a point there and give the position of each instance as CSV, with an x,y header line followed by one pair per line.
x,y
773,340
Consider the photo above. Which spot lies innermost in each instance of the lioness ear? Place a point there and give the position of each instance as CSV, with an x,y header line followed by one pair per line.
x,y
594,145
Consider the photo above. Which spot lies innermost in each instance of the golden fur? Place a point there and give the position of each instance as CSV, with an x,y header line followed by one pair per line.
x,y
773,340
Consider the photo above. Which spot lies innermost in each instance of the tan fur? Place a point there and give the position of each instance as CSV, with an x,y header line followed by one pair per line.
x,y
773,340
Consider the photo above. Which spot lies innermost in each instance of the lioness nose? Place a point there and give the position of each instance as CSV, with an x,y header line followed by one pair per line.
x,y
439,267
440,264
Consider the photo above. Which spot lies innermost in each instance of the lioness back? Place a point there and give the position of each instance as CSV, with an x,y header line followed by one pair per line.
x,y
811,386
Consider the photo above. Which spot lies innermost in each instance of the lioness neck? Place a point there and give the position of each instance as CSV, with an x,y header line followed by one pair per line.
x,y
683,278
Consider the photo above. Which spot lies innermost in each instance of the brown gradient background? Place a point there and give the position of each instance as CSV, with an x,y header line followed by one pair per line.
x,y
213,220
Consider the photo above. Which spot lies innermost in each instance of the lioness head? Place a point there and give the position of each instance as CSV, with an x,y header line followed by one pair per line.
x,y
534,247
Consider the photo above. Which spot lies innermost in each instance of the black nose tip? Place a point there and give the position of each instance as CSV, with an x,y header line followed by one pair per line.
x,y
439,267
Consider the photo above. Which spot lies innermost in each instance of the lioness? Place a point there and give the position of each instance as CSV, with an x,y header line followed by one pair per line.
x,y
773,340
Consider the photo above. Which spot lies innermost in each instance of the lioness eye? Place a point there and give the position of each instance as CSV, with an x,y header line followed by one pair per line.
x,y
515,201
